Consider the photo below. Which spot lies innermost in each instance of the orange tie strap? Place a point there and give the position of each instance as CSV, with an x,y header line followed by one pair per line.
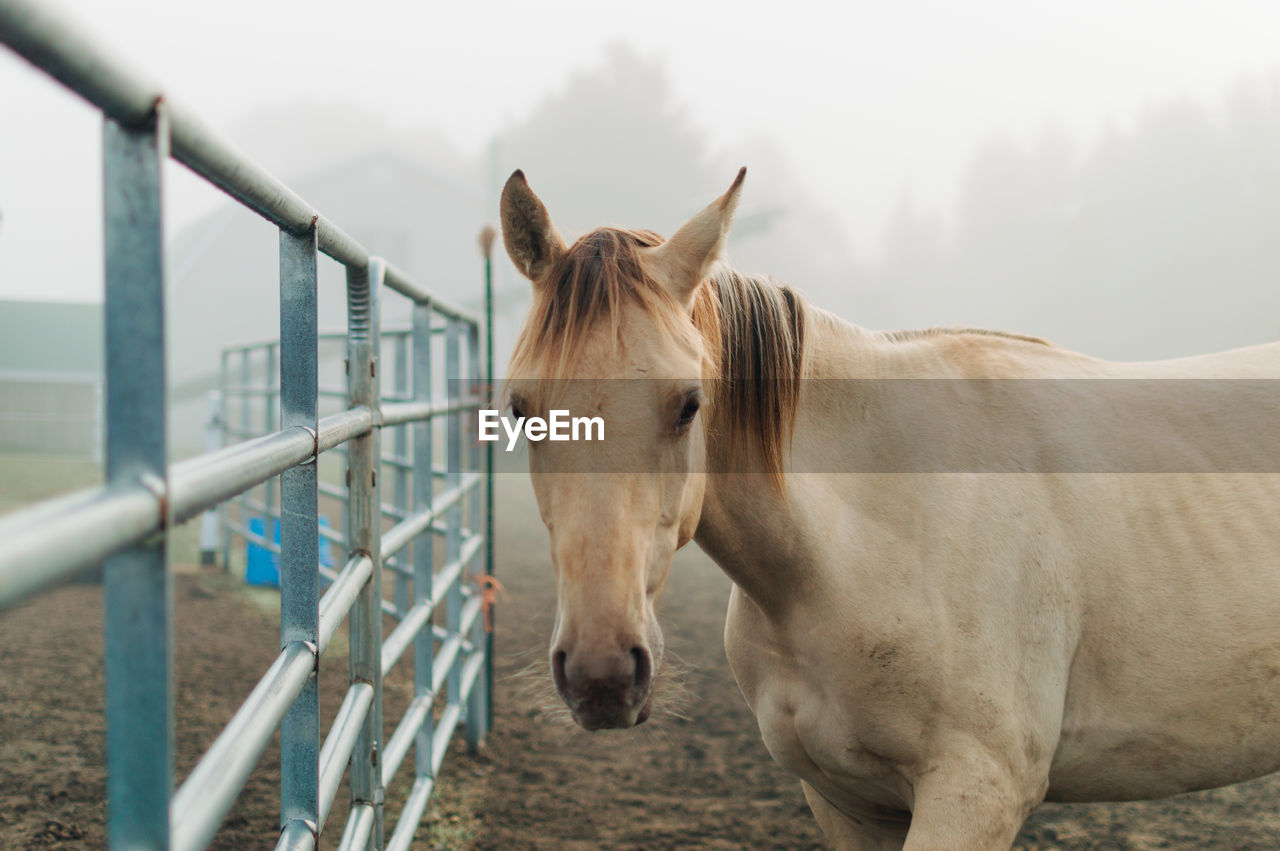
x,y
490,586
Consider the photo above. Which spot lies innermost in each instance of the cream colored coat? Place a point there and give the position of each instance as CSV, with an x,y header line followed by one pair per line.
x,y
932,654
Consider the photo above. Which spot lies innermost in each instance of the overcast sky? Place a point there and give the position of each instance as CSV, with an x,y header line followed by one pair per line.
x,y
869,100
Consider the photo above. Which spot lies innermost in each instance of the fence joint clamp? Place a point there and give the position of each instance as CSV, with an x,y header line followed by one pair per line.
x,y
309,825
311,646
158,488
315,444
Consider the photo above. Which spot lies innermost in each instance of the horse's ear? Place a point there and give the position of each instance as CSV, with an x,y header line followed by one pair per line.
x,y
532,241
684,261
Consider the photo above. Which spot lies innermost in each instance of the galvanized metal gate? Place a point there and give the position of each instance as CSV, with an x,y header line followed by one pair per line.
x,y
122,524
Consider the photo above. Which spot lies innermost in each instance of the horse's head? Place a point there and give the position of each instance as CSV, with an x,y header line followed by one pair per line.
x,y
612,334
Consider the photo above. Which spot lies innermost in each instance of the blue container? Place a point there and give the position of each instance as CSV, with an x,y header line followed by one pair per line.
x,y
326,551
262,566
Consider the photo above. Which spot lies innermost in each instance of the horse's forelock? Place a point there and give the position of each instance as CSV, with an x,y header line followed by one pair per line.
x,y
588,286
752,332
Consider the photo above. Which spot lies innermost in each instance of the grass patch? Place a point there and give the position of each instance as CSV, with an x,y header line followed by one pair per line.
x,y
25,478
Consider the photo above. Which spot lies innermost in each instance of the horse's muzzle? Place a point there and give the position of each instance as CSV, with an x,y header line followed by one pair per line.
x,y
604,690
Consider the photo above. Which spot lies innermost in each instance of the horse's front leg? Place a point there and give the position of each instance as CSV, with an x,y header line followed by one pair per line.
x,y
848,834
971,800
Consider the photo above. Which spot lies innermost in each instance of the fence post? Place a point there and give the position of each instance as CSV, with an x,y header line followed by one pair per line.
x,y
243,511
299,531
490,393
453,481
270,395
137,593
399,474
224,516
424,546
212,443
364,532
478,699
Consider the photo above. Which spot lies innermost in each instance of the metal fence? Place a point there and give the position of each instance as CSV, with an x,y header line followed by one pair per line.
x,y
122,524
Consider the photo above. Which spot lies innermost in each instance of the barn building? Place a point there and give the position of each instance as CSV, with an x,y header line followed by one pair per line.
x,y
51,377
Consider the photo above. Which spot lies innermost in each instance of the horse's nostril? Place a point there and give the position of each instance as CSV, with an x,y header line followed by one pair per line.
x,y
557,671
643,669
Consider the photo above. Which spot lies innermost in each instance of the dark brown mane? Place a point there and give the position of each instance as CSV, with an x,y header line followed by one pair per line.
x,y
762,331
752,333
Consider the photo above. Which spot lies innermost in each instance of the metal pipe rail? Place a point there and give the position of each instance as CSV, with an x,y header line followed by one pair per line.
x,y
388,331
72,57
206,796
411,527
103,520
340,742
123,523
416,803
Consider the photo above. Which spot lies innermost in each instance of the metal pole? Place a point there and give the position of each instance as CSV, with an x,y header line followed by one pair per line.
x,y
486,246
270,516
401,449
478,698
137,592
299,530
364,532
224,517
212,443
246,401
424,545
453,522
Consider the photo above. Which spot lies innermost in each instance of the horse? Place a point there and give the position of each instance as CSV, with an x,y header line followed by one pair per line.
x,y
972,571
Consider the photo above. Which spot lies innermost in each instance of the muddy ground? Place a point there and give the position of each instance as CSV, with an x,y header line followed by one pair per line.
x,y
697,778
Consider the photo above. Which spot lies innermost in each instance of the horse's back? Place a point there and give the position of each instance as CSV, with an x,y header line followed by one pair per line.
x,y
1260,361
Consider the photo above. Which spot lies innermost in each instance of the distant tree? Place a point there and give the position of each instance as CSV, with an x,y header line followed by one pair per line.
x,y
613,145
1158,241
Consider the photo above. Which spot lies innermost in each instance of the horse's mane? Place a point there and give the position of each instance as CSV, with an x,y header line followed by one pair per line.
x,y
761,331
752,332
924,333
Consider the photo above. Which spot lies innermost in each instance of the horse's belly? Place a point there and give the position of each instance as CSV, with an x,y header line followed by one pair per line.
x,y
1153,765
1214,725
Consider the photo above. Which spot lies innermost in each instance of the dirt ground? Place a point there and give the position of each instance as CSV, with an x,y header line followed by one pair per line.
x,y
696,776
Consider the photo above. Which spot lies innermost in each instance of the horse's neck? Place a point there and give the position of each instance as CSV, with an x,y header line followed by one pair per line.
x,y
759,535
770,543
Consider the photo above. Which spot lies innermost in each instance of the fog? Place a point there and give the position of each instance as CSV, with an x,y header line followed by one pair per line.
x,y
1100,174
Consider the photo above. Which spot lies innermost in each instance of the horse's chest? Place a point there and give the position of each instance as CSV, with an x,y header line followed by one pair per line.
x,y
814,730
819,739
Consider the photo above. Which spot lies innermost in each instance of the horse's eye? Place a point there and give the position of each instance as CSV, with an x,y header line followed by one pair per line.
x,y
516,412
688,412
